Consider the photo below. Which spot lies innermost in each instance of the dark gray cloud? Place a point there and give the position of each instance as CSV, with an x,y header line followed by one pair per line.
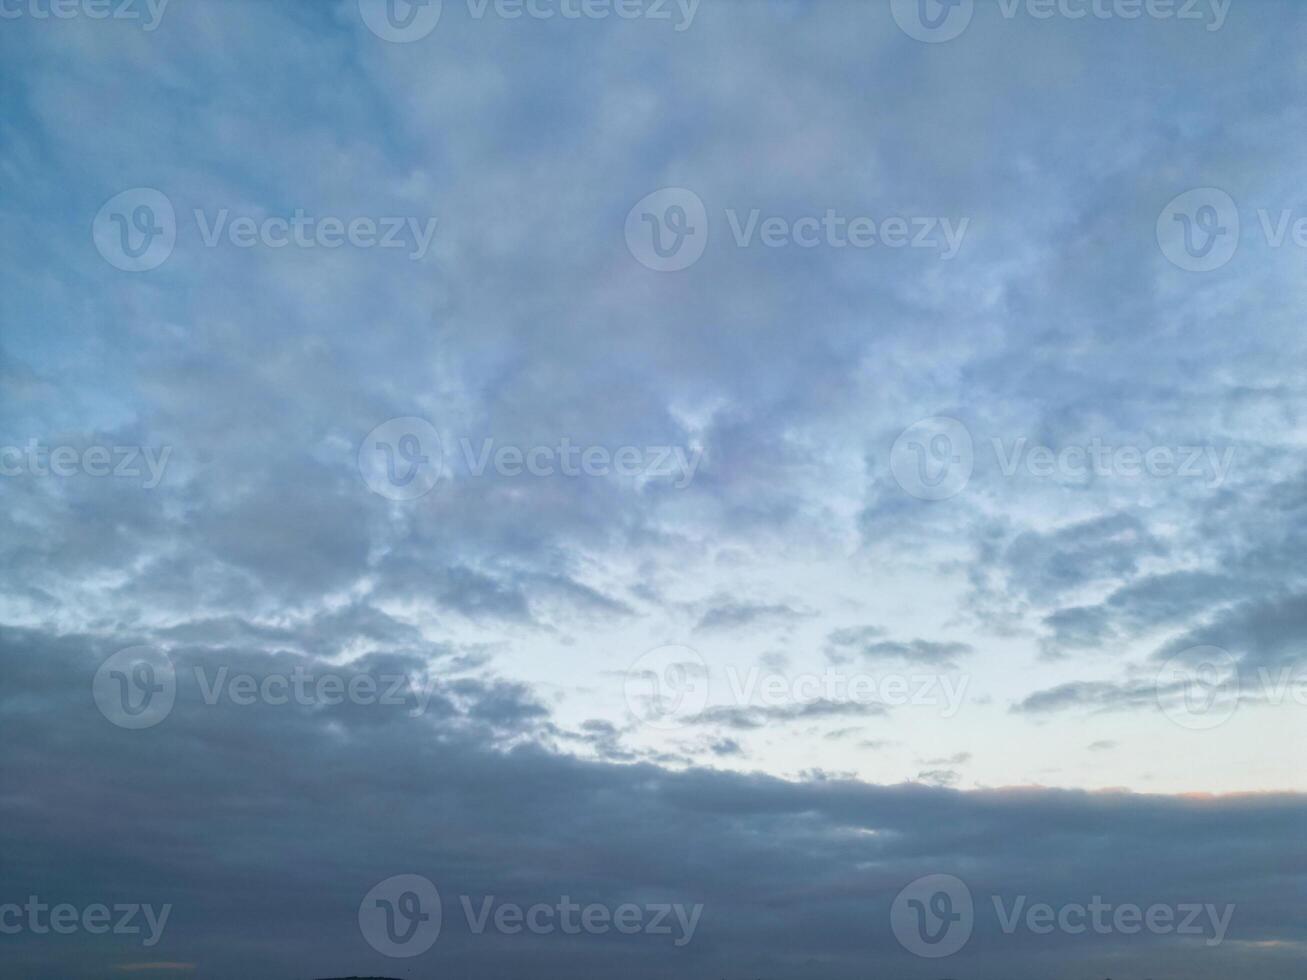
x,y
1091,695
728,614
747,717
865,641
1264,632
264,825
939,777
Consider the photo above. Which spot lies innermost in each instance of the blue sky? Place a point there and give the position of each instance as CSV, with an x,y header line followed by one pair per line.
x,y
787,450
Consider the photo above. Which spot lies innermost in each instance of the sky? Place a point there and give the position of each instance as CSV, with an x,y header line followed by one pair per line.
x,y
812,483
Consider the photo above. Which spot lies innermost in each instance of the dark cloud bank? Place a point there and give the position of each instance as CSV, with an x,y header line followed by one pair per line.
x,y
264,826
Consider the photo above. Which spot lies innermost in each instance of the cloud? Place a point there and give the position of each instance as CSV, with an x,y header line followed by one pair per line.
x,y
748,717
276,819
735,615
1090,695
864,641
939,777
